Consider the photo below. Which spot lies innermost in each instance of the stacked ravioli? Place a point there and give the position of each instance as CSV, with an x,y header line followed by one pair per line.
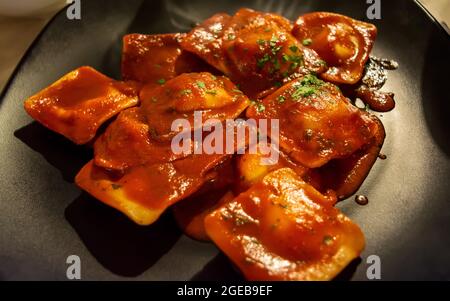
x,y
274,222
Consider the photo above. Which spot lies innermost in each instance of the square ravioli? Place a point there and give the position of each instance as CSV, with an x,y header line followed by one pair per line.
x,y
80,102
144,192
284,229
215,98
317,122
344,43
153,58
128,142
254,49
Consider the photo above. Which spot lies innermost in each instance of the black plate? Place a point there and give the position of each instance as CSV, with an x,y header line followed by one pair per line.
x,y
44,217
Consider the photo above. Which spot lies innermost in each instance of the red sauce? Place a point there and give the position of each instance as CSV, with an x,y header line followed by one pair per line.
x,y
377,100
80,102
283,229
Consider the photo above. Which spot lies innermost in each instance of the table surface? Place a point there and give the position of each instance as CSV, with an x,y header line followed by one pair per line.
x,y
17,34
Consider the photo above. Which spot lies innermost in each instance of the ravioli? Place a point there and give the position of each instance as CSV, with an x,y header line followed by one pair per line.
x,y
128,142
317,123
255,49
151,59
144,192
214,97
284,229
80,102
344,43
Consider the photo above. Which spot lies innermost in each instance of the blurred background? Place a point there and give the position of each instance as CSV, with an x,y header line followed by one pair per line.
x,y
22,20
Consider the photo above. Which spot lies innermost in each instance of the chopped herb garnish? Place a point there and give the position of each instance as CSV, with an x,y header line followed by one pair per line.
x,y
213,77
306,87
293,48
275,49
311,79
277,84
267,29
261,42
303,92
212,92
115,186
327,240
201,84
161,81
259,106
273,41
276,64
281,99
307,42
262,61
231,36
295,60
237,91
322,63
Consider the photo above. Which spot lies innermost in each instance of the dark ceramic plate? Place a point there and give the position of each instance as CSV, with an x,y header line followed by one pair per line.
x,y
44,217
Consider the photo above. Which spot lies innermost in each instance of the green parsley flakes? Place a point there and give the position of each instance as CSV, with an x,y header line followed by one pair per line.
x,y
201,84
212,92
306,87
307,42
293,48
281,99
262,61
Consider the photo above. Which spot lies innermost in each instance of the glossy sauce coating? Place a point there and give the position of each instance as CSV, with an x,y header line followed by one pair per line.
x,y
254,49
216,97
250,169
191,212
144,192
275,222
345,176
317,123
152,58
377,100
284,229
128,142
80,102
344,43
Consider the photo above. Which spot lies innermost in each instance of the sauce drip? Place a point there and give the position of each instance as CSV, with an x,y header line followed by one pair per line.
x,y
361,200
377,100
368,89
382,156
